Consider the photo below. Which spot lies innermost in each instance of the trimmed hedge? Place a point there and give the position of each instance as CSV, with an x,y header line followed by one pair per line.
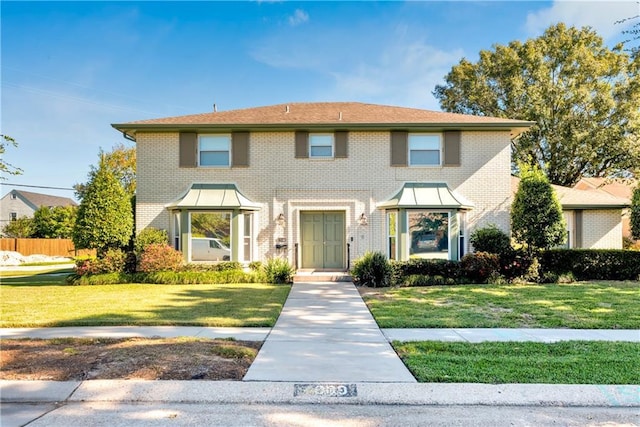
x,y
402,270
592,264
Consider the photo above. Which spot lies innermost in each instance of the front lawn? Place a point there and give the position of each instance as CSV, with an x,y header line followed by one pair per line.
x,y
592,305
568,362
44,300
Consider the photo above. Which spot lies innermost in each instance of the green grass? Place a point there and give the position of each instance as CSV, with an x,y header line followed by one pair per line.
x,y
568,362
44,300
593,305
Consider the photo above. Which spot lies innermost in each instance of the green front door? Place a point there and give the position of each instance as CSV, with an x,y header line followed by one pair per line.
x,y
323,240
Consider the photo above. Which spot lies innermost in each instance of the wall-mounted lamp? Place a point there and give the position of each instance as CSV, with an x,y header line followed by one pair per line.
x,y
363,220
280,220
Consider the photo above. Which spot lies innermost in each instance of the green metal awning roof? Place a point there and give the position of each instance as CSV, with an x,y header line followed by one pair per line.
x,y
214,196
425,195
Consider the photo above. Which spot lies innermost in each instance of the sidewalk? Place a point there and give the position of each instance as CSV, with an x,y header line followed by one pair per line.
x,y
260,334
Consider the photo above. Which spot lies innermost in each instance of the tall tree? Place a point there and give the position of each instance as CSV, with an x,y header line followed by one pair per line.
x,y
104,219
536,214
54,222
121,161
7,168
582,96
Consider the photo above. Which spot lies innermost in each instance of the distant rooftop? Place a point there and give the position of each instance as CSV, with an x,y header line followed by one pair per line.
x,y
38,199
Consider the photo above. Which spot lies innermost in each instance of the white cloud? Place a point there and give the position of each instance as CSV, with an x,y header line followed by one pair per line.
x,y
600,15
395,66
299,17
403,74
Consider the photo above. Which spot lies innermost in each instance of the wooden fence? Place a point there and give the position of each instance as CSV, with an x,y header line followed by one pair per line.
x,y
50,247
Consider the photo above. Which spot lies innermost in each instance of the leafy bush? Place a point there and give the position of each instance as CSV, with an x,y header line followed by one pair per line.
x,y
592,264
159,257
400,270
491,239
196,277
372,269
480,266
221,266
255,266
150,236
112,261
421,280
99,279
278,270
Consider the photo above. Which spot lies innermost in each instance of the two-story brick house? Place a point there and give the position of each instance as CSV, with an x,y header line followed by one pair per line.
x,y
322,183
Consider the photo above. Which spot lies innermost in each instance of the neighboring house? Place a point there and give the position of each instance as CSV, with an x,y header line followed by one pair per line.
x,y
17,204
322,183
618,188
593,216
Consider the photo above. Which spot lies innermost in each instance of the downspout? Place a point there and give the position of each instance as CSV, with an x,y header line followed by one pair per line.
x,y
125,135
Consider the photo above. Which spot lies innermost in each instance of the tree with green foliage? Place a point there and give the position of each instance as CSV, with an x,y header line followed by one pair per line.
x,y
121,161
581,95
7,168
19,228
536,214
54,222
105,218
635,213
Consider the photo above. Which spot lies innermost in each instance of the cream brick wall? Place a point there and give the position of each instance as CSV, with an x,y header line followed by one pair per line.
x,y
284,184
602,229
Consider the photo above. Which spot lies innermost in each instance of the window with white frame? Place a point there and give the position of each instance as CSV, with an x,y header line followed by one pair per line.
x,y
247,237
14,216
210,236
462,225
321,146
428,234
214,150
424,149
570,222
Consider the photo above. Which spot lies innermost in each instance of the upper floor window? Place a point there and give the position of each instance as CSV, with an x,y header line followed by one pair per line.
x,y
321,145
214,150
424,149
14,216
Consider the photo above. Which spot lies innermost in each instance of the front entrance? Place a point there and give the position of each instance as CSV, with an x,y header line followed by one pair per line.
x,y
323,240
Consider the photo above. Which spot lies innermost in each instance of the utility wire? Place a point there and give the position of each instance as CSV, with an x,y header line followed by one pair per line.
x,y
37,186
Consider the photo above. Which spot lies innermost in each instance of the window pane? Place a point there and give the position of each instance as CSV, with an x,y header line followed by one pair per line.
x,y
424,142
214,143
321,145
392,218
429,234
321,151
321,140
425,157
214,158
248,232
214,150
210,236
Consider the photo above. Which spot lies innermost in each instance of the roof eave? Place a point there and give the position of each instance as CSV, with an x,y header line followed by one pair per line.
x,y
586,206
132,128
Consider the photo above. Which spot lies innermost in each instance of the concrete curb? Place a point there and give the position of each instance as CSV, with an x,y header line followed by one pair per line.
x,y
232,392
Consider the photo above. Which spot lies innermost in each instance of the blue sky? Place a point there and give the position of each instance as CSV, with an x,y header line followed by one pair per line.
x,y
70,69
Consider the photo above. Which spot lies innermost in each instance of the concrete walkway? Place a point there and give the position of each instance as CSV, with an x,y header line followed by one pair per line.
x,y
326,333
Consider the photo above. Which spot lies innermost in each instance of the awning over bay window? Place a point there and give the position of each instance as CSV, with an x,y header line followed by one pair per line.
x,y
425,195
214,196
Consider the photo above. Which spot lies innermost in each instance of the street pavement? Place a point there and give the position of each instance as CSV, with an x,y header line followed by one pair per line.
x,y
324,349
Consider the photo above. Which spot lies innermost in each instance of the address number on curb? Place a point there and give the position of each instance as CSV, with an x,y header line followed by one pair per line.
x,y
327,390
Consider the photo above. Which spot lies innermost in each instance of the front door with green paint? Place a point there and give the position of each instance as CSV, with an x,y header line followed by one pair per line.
x,y
323,240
